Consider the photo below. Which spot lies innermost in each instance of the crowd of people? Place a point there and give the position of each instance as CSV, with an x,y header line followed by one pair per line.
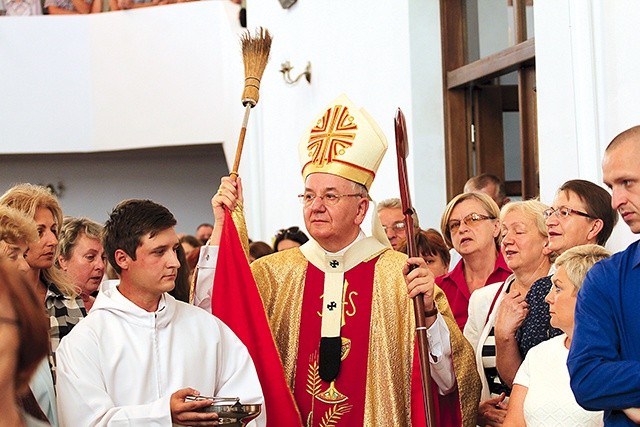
x,y
529,320
82,7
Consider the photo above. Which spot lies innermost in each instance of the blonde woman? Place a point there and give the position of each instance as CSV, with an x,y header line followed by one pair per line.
x,y
62,303
16,232
54,288
82,257
470,225
541,393
524,239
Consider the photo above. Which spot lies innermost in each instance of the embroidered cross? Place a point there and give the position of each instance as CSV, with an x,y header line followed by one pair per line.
x,y
331,306
331,136
334,263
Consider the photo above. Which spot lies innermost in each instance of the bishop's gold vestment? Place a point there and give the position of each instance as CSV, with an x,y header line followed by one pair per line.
x,y
281,279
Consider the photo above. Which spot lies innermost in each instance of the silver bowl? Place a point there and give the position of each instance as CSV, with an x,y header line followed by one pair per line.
x,y
230,411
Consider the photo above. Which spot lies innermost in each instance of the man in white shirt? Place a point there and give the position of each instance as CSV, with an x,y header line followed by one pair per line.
x,y
140,353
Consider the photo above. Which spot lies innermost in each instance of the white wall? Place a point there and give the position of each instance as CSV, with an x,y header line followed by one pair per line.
x,y
173,76
426,124
170,75
587,87
384,55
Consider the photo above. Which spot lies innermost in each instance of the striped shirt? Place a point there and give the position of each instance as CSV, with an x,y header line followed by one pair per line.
x,y
496,385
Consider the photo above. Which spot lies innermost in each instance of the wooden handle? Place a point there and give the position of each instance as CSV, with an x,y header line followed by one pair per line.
x,y
412,250
243,133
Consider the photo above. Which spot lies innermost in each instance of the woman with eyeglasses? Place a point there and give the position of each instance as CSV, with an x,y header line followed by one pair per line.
x,y
523,244
288,238
470,225
581,214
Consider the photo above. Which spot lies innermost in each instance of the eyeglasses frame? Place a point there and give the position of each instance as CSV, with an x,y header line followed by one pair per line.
x,y
464,220
307,203
556,211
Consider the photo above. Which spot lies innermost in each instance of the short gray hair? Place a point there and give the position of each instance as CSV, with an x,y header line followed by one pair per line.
x,y
396,203
72,229
578,260
478,182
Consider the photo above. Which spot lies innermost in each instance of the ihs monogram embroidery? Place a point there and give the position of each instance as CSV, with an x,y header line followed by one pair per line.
x,y
333,133
339,405
348,304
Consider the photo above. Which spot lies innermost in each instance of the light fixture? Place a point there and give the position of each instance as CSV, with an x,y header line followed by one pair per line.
x,y
286,68
55,189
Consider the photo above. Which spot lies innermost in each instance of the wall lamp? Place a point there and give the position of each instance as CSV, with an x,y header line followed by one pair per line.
x,y
55,189
286,68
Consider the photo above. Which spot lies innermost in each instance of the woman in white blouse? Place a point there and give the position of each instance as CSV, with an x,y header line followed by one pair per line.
x,y
541,394
524,240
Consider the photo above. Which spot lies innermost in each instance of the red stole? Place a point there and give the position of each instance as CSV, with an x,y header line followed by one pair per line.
x,y
344,403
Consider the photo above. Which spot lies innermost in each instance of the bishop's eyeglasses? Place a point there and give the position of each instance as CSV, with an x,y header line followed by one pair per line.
x,y
470,220
329,199
563,212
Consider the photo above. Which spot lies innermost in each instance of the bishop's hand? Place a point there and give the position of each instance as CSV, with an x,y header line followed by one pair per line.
x,y
420,280
228,196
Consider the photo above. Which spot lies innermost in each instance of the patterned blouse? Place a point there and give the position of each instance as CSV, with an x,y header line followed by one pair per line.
x,y
64,313
536,328
63,4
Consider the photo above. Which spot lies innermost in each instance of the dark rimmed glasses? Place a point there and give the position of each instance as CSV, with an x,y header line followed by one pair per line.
x,y
563,212
470,220
329,199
